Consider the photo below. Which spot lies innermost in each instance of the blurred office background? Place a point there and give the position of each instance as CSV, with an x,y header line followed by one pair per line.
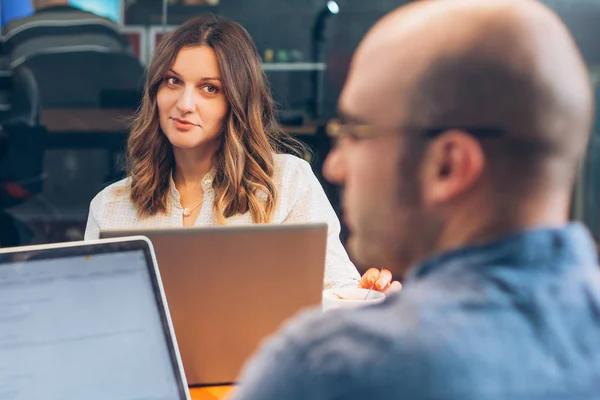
x,y
63,112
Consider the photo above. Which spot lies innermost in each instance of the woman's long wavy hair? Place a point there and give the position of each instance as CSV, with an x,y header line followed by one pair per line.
x,y
251,133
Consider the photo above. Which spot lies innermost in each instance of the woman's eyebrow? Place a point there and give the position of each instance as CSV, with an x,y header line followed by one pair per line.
x,y
204,78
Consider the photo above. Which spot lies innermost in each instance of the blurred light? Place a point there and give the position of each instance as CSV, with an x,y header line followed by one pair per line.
x,y
110,9
333,7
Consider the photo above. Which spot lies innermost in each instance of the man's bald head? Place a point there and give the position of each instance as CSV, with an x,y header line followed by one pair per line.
x,y
508,64
453,66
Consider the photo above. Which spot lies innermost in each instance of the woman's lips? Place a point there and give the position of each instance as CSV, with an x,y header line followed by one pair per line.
x,y
183,125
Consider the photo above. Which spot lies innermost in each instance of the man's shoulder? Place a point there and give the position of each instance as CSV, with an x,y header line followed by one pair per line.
x,y
413,320
448,335
351,353
329,342
336,334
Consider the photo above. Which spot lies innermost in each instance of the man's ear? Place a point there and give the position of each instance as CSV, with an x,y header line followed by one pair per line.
x,y
453,163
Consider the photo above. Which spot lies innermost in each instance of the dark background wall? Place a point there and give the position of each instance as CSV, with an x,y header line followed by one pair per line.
x,y
287,25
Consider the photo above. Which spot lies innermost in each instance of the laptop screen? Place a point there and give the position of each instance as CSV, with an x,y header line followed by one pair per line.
x,y
83,327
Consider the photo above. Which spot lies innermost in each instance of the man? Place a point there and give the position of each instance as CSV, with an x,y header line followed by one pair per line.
x,y
56,26
466,121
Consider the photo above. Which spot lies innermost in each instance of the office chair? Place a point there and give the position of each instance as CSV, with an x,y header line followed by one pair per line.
x,y
21,153
87,79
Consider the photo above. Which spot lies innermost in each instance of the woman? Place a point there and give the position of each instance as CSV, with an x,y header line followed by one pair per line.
x,y
206,149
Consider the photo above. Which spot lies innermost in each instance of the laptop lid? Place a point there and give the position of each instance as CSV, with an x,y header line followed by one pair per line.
x,y
231,286
86,320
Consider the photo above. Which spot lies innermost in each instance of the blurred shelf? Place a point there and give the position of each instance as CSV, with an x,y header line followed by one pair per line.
x,y
78,122
294,66
302,130
67,121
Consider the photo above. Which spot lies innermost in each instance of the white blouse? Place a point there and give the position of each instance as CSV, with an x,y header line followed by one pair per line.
x,y
301,200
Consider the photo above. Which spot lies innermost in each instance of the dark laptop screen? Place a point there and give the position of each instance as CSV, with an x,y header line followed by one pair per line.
x,y
86,326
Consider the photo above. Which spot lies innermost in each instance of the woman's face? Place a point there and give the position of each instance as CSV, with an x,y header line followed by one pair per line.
x,y
191,104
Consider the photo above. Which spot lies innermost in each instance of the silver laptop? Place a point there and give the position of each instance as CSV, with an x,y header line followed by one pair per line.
x,y
86,320
229,287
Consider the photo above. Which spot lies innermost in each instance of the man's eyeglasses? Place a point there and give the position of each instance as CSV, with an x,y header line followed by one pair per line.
x,y
337,130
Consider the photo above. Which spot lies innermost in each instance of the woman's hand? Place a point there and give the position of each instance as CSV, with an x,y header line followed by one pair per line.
x,y
380,281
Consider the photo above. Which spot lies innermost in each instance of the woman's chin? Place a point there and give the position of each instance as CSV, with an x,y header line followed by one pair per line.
x,y
191,140
185,142
185,145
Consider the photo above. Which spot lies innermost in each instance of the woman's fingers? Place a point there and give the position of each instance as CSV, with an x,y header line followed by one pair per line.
x,y
384,280
377,280
369,278
393,288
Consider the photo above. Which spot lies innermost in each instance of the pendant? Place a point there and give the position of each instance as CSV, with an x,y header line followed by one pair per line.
x,y
186,212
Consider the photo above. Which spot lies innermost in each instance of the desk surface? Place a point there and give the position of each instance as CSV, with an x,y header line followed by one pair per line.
x,y
210,393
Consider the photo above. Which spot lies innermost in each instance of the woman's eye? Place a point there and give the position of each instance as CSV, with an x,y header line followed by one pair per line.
x,y
171,80
211,89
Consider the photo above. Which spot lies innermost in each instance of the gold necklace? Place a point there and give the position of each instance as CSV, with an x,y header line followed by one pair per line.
x,y
187,211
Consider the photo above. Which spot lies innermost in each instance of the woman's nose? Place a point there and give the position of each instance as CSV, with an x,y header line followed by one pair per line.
x,y
187,101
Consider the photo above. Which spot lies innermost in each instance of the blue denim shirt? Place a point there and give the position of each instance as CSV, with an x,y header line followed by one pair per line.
x,y
515,319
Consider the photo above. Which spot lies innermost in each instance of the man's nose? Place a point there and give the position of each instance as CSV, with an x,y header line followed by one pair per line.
x,y
333,167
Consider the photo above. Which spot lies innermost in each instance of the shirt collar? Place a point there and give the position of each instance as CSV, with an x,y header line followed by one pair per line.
x,y
542,248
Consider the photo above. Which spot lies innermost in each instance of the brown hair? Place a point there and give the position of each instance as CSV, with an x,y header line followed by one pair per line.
x,y
251,133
